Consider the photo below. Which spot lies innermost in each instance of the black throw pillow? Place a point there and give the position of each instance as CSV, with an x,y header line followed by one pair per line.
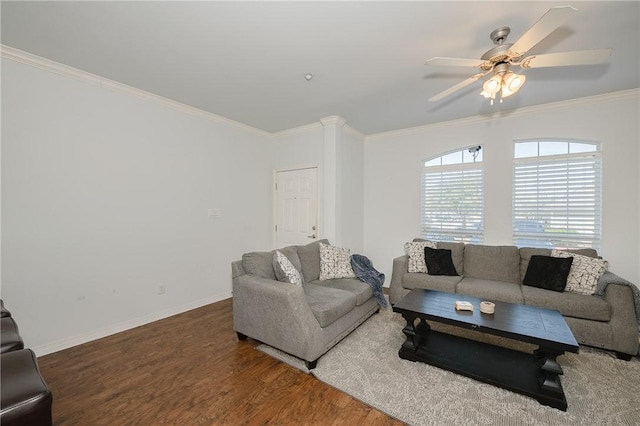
x,y
439,262
548,272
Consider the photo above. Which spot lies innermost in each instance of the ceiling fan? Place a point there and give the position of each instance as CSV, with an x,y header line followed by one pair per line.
x,y
499,60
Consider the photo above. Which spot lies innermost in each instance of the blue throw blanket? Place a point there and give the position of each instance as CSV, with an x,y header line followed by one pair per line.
x,y
364,271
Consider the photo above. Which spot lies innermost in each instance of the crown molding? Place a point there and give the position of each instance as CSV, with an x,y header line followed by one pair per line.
x,y
318,126
300,129
333,120
571,103
38,62
353,132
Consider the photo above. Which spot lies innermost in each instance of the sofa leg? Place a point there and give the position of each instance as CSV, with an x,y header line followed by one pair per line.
x,y
623,356
311,364
241,336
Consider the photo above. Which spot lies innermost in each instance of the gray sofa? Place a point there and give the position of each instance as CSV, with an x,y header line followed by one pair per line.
x,y
496,273
305,321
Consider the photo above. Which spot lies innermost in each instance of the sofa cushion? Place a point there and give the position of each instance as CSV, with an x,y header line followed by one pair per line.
x,y
548,272
585,272
285,269
439,262
495,263
569,304
415,251
259,263
328,304
292,254
430,282
335,262
457,254
491,290
362,290
309,255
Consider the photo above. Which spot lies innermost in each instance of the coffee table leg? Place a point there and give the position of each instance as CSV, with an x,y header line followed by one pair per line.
x,y
551,392
415,333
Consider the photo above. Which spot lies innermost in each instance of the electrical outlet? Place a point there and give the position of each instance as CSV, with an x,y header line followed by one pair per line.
x,y
162,289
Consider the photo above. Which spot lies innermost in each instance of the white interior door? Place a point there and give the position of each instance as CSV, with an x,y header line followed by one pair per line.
x,y
296,207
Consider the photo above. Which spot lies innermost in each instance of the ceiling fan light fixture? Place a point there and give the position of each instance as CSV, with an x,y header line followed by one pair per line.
x,y
512,83
488,95
492,86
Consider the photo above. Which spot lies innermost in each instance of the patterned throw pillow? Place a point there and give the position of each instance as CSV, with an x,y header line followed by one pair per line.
x,y
415,250
585,272
335,262
287,268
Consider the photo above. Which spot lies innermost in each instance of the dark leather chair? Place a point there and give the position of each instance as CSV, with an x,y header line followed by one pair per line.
x,y
3,311
26,399
10,339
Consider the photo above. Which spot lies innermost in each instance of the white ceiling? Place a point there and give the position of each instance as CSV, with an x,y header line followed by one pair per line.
x,y
246,60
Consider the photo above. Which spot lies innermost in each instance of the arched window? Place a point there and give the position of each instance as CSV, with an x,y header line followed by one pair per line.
x,y
556,194
452,196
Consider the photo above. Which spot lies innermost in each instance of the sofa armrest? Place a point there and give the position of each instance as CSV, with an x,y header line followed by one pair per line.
x,y
400,267
237,269
619,293
273,312
611,278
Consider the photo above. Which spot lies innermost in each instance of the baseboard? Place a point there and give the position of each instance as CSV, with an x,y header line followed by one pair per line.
x,y
125,325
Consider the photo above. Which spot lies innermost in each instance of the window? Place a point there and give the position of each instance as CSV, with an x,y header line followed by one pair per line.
x,y
556,194
452,197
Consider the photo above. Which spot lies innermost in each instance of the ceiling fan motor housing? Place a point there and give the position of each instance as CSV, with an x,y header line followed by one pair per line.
x,y
499,35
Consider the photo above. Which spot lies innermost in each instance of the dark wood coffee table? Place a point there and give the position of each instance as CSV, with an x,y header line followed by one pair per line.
x,y
535,375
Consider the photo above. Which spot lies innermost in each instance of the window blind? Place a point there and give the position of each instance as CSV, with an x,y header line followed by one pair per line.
x,y
453,203
557,201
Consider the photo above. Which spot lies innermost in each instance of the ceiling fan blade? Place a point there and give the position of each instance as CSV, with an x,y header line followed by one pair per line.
x,y
578,57
551,20
455,62
458,86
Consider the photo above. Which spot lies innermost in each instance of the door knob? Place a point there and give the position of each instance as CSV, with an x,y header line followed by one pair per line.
x,y
312,236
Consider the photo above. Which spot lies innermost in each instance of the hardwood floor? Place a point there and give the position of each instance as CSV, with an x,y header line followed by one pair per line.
x,y
190,369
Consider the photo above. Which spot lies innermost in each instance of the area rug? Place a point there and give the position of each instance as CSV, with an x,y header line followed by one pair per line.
x,y
600,389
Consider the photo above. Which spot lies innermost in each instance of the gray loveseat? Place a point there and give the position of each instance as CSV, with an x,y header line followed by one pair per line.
x,y
496,273
305,321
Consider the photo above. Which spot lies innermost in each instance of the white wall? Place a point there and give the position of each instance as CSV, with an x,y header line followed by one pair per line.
x,y
297,148
393,161
105,197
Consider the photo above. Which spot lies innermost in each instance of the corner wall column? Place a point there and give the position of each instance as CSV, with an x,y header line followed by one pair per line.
x,y
332,170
